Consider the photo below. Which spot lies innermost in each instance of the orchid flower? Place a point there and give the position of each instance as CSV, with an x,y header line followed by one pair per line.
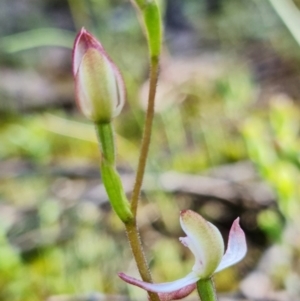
x,y
207,245
99,87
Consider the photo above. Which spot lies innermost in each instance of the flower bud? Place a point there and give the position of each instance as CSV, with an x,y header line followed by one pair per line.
x,y
99,86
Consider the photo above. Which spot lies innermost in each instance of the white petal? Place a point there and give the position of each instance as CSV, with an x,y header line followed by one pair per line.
x,y
98,81
79,50
82,100
166,287
118,106
84,41
205,242
237,247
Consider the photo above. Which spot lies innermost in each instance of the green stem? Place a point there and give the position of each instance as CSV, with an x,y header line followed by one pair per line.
x,y
206,290
132,230
139,256
107,143
115,192
119,201
152,20
146,136
153,26
110,176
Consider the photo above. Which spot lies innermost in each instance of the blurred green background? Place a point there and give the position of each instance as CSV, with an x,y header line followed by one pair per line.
x,y
228,95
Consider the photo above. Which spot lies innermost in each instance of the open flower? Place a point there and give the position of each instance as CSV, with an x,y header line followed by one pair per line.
x,y
206,243
99,87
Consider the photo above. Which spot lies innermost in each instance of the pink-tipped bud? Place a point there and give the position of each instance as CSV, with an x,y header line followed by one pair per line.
x,y
99,86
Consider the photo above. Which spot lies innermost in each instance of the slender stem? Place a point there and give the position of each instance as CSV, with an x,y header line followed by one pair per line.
x,y
110,177
107,142
132,230
152,22
146,136
206,290
119,201
137,250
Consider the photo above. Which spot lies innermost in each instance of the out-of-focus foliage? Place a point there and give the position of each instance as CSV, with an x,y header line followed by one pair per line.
x,y
273,142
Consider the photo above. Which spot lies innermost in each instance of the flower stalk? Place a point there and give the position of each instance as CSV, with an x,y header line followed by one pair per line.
x,y
132,232
150,13
206,290
107,142
119,201
152,21
100,95
146,137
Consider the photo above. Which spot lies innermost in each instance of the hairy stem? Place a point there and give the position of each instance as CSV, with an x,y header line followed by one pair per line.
x,y
110,177
146,136
140,259
106,139
119,201
206,290
132,230
152,21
